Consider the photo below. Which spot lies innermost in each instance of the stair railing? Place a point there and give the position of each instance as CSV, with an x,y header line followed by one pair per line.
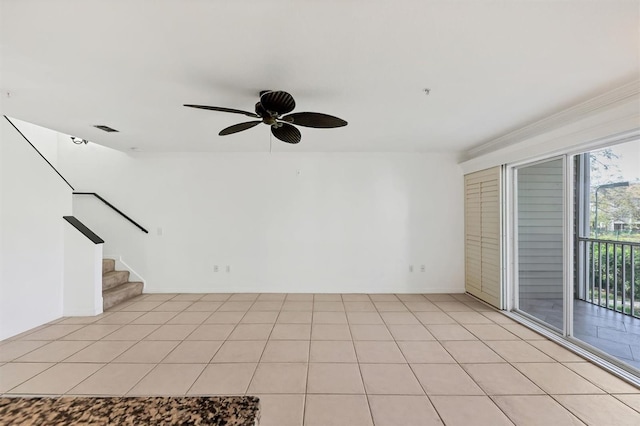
x,y
136,224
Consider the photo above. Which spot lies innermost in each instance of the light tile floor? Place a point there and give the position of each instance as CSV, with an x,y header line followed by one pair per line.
x,y
322,360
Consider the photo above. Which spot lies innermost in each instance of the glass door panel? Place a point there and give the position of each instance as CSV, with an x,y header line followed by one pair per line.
x,y
606,305
539,219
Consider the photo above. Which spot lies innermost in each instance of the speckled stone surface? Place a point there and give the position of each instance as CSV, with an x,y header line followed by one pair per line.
x,y
217,410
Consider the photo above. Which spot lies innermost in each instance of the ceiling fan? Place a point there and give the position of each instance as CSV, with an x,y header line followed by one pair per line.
x,y
270,109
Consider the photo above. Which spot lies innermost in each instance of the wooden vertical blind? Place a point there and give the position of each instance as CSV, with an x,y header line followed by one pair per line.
x,y
482,235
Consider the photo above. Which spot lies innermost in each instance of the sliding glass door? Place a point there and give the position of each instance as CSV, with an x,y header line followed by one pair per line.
x,y
575,253
540,236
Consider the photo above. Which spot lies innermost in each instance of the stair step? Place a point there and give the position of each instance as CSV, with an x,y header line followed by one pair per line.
x,y
108,265
113,279
121,293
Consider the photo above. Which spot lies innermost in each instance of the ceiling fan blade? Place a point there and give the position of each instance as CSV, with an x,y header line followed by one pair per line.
x,y
238,127
221,109
286,133
314,119
278,101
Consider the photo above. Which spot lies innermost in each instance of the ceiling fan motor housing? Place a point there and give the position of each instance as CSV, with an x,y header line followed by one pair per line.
x,y
268,117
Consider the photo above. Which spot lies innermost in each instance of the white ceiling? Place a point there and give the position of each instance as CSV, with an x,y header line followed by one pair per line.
x,y
492,67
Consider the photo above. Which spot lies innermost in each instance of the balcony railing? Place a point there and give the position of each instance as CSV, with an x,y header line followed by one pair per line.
x,y
609,274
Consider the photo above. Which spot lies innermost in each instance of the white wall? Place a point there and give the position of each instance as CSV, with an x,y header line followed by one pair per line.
x,y
45,140
82,293
33,200
282,222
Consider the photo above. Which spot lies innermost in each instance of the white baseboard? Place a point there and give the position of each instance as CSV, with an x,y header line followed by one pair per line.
x,y
82,313
288,290
121,265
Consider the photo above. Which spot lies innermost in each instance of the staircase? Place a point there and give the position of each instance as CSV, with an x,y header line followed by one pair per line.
x,y
116,287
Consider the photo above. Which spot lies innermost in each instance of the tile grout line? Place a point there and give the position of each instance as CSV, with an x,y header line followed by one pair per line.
x,y
461,366
364,388
497,354
53,364
476,383
306,384
414,373
624,402
56,363
555,361
168,353
265,345
223,342
366,393
140,340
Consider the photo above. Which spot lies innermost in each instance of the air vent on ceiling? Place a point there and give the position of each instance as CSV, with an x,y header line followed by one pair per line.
x,y
105,128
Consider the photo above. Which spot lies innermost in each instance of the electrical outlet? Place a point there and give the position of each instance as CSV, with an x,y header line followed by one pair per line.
x,y
215,268
228,268
423,268
410,268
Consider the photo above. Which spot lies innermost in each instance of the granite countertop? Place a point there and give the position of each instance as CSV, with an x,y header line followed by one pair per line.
x,y
216,410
